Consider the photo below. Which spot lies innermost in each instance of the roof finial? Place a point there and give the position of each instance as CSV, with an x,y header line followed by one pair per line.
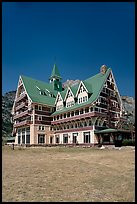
x,y
103,69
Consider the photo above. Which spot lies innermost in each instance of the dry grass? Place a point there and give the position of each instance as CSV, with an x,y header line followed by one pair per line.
x,y
68,174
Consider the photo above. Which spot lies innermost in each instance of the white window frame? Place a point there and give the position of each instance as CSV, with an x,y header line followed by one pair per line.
x,y
39,107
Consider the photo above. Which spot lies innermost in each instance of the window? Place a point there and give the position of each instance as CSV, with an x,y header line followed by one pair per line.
x,y
28,135
81,111
19,131
40,108
86,137
75,137
57,138
41,138
41,128
72,113
77,112
59,107
69,104
23,136
86,110
65,138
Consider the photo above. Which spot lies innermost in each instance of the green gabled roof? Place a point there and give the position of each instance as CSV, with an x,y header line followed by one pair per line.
x,y
95,84
63,93
88,86
55,72
108,130
34,92
75,88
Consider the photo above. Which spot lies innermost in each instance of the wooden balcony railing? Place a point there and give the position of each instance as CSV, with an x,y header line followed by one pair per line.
x,y
42,122
25,122
21,97
46,113
79,117
23,104
19,115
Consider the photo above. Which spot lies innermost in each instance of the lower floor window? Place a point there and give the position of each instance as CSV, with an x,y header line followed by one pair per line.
x,y
57,138
65,138
86,137
23,138
28,139
41,138
75,137
18,139
51,140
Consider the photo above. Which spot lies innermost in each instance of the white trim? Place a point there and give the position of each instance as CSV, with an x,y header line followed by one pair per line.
x,y
119,98
67,93
58,94
81,83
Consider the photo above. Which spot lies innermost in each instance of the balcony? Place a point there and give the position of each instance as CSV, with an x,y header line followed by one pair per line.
x,y
23,104
44,122
25,122
22,95
19,115
79,117
46,113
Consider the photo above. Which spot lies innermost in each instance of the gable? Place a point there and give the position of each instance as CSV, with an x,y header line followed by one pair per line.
x,y
69,93
58,98
35,90
82,88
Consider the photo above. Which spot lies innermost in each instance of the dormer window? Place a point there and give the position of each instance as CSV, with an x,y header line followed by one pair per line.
x,y
69,98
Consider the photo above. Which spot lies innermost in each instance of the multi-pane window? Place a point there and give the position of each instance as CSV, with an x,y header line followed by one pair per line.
x,y
59,107
82,99
69,104
41,138
41,127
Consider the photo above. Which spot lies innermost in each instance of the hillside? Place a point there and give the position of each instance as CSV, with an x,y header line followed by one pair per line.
x,y
8,99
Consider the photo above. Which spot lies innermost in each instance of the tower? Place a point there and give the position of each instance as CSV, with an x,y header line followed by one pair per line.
x,y
55,79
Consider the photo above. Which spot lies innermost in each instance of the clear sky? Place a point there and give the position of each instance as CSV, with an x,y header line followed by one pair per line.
x,y
79,37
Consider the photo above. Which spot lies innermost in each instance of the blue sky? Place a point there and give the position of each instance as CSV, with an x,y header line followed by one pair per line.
x,y
79,37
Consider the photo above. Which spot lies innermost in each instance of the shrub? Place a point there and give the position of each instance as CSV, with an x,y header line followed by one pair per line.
x,y
128,143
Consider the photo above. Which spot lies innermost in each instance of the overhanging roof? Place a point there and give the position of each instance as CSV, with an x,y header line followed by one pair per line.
x,y
109,130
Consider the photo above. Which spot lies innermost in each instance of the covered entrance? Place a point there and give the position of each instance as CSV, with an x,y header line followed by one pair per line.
x,y
112,136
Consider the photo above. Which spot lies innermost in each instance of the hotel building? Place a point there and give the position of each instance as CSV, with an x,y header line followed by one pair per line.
x,y
90,112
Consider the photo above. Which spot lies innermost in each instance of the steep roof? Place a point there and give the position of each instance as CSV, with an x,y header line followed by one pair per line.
x,y
33,88
55,72
94,85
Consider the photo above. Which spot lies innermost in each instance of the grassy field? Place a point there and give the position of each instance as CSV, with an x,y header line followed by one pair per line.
x,y
68,174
